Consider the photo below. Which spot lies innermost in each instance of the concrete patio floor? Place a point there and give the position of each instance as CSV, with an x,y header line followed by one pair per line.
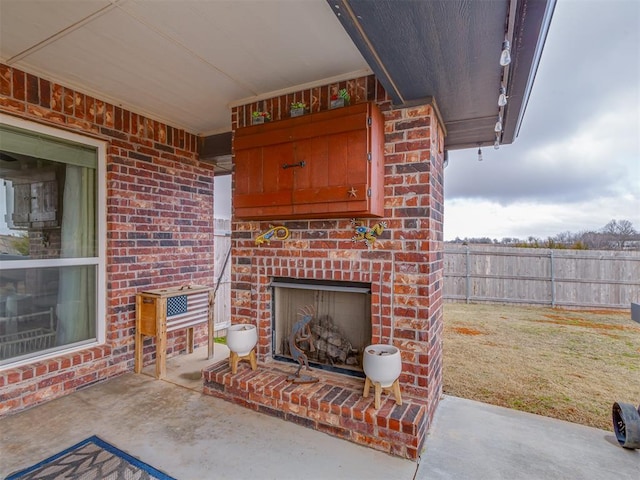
x,y
173,427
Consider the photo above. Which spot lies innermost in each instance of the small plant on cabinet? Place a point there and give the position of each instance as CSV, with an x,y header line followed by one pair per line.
x,y
340,99
260,117
298,109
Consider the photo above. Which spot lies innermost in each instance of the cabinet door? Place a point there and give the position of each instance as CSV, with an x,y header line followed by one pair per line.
x,y
324,165
44,196
35,204
335,176
21,204
262,186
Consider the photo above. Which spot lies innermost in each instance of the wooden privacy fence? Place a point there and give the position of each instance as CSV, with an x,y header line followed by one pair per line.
x,y
222,272
570,278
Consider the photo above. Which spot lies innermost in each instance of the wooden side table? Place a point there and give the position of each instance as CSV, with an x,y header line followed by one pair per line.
x,y
161,311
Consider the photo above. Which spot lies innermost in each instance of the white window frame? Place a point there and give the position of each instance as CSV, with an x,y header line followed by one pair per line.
x,y
101,235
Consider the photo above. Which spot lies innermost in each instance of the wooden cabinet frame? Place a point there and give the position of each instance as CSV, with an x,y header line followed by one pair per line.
x,y
324,165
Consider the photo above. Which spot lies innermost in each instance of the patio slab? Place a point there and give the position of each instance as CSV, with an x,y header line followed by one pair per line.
x,y
174,427
188,435
473,440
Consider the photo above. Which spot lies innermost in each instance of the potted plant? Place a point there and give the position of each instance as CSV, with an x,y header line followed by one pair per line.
x,y
382,365
340,99
260,117
298,109
241,340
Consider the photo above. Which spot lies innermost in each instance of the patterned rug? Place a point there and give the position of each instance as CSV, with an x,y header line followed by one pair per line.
x,y
91,459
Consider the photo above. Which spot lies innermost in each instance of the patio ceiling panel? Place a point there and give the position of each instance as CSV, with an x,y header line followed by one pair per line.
x,y
182,62
139,66
262,49
186,62
21,27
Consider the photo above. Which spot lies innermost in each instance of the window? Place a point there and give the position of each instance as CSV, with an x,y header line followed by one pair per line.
x,y
51,241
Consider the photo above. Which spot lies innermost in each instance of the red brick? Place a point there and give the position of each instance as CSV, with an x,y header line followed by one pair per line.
x,y
7,406
108,118
32,89
55,380
5,80
334,430
27,373
79,105
17,392
370,441
42,395
18,81
14,377
11,105
68,101
411,453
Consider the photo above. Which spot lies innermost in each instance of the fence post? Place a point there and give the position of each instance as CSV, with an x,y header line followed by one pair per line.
x,y
468,275
553,279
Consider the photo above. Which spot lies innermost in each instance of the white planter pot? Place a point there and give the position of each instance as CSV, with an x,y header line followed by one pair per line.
x,y
242,338
382,364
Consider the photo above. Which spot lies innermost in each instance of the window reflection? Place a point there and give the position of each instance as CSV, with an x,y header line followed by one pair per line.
x,y
38,313
48,186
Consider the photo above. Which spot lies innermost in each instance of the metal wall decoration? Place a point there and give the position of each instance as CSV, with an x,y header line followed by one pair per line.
x,y
274,233
366,234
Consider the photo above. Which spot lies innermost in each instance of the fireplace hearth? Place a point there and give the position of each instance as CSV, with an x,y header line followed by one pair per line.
x,y
333,405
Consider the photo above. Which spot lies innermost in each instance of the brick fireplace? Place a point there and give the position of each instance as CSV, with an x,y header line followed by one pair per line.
x,y
403,270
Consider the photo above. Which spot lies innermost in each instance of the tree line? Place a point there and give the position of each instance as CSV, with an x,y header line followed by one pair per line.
x,y
615,235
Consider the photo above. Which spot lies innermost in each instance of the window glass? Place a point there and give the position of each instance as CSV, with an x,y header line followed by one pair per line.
x,y
48,243
43,309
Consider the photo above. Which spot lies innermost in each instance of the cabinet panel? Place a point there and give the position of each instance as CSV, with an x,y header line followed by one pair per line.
x,y
336,171
319,165
21,204
259,184
44,196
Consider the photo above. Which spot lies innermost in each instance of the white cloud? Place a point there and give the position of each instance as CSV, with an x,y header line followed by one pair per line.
x,y
484,218
576,164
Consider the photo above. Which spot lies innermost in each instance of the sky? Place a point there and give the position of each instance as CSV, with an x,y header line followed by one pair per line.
x,y
575,164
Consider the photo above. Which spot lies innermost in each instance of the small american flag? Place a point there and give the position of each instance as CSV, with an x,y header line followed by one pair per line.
x,y
176,305
194,311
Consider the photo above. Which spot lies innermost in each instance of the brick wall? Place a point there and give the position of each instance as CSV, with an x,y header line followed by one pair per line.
x,y
405,267
159,227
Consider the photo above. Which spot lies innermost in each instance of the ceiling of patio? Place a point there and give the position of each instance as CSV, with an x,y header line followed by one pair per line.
x,y
186,62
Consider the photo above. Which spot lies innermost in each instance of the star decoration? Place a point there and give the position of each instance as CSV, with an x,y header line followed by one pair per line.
x,y
353,192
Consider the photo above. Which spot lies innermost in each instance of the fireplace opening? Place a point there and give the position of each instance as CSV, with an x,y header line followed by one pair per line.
x,y
341,326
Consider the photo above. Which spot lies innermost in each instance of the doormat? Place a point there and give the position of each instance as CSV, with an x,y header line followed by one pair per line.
x,y
92,458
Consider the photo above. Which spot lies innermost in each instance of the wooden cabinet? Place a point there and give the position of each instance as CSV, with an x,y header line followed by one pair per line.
x,y
159,312
35,199
323,165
